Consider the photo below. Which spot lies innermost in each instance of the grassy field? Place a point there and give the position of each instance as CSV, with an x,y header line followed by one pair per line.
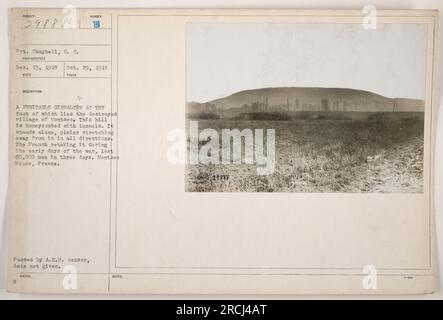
x,y
378,155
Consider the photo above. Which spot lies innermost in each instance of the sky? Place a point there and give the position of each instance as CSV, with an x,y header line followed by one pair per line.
x,y
224,58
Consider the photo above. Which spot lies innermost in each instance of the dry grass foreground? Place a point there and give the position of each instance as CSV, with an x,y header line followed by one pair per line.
x,y
383,155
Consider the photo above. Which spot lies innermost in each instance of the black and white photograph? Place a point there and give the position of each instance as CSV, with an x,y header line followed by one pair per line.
x,y
276,107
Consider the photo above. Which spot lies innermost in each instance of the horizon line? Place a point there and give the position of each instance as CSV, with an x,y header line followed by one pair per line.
x,y
312,87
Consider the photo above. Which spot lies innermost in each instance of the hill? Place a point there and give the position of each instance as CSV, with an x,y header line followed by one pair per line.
x,y
306,99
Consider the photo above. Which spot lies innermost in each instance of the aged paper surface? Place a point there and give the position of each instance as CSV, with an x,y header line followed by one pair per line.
x,y
221,151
